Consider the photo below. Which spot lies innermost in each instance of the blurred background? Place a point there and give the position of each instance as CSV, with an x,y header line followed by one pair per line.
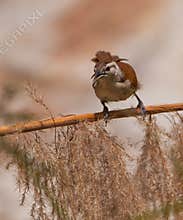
x,y
51,43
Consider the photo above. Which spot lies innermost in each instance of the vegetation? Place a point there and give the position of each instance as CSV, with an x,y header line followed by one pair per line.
x,y
79,172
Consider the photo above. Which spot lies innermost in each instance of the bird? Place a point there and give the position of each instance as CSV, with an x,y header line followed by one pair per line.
x,y
114,80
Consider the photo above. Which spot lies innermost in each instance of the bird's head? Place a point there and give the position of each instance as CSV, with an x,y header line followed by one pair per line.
x,y
106,65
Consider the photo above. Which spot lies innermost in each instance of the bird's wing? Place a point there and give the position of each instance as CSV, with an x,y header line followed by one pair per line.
x,y
129,72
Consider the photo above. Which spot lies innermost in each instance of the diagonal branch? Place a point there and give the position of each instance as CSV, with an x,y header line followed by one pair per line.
x,y
91,117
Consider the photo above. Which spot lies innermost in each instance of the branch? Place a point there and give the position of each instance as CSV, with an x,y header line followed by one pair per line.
x,y
91,117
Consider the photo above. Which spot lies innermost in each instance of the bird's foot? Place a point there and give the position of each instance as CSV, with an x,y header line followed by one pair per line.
x,y
106,115
142,109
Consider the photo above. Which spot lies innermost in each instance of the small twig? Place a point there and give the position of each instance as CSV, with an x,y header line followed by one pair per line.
x,y
32,91
91,117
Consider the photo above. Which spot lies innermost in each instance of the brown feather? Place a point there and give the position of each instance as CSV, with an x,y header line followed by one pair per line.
x,y
106,57
102,57
129,72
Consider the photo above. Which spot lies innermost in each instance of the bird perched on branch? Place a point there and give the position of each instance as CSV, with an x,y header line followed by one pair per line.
x,y
114,79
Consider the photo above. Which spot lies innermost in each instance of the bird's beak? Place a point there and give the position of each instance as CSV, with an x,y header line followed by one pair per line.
x,y
97,74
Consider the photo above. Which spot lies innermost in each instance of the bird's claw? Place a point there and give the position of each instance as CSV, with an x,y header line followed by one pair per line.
x,y
106,115
142,109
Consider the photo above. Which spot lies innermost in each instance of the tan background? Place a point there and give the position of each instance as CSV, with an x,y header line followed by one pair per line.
x,y
55,54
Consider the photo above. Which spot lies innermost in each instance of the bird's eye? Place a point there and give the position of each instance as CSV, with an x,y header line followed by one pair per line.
x,y
107,68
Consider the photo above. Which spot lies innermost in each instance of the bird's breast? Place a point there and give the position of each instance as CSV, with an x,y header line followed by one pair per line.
x,y
109,90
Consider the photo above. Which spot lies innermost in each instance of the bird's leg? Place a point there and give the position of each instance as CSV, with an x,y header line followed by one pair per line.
x,y
105,112
140,105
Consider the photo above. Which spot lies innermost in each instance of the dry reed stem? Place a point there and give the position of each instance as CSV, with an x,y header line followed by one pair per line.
x,y
91,117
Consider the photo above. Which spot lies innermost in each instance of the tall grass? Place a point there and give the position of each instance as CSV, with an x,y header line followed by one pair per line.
x,y
83,175
79,172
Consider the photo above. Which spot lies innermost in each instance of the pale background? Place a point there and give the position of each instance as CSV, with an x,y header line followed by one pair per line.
x,y
55,53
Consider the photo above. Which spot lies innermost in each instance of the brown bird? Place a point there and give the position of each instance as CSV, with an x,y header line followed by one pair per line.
x,y
114,79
